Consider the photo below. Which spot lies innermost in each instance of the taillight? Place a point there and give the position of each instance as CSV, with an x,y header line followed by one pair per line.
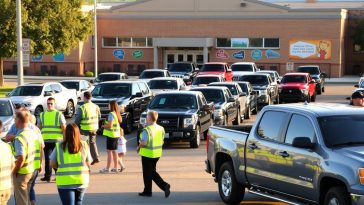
x,y
207,142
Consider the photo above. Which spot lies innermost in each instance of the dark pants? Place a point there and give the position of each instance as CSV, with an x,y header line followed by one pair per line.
x,y
150,174
48,149
32,191
71,196
93,147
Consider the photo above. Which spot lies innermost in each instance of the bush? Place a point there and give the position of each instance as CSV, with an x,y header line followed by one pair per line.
x,y
89,74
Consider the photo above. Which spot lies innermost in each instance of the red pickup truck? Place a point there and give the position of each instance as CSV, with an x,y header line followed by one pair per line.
x,y
217,68
296,87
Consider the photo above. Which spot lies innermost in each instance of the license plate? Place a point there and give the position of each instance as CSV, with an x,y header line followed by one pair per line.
x,y
166,135
177,134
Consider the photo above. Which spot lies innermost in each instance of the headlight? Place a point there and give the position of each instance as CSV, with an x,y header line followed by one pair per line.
x,y
218,112
187,122
143,121
263,92
304,91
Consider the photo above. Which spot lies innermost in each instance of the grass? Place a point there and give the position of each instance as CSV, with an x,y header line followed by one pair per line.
x,y
5,90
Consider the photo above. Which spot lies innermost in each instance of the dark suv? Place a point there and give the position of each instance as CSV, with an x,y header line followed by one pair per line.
x,y
317,75
185,116
185,70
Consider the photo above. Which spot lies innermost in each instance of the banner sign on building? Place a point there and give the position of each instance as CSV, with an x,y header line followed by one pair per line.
x,y
310,49
59,57
239,55
119,54
26,52
256,54
137,54
222,54
271,54
37,58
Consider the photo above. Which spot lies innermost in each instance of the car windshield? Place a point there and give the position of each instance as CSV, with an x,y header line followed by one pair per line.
x,y
244,87
107,77
112,90
310,70
215,96
180,67
205,80
349,133
271,74
71,85
163,84
237,67
151,74
255,79
232,88
174,101
5,109
213,68
294,79
27,91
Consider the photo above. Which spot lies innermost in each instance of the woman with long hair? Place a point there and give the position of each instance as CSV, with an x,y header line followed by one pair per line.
x,y
112,133
72,159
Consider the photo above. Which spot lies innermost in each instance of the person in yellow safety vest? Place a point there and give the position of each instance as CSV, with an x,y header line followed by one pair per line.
x,y
87,118
71,158
6,166
150,149
112,133
24,151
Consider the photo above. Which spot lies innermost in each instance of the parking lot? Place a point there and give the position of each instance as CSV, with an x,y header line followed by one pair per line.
x,y
181,166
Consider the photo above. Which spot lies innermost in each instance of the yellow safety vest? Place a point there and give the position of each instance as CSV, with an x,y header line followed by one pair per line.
x,y
27,138
72,168
90,120
114,131
153,148
51,125
37,159
6,160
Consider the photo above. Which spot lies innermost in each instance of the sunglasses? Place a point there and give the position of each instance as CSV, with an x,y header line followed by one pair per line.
x,y
49,103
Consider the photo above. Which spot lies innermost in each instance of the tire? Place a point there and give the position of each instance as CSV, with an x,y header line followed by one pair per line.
x,y
38,110
195,142
248,112
237,118
231,192
337,196
308,98
70,109
313,98
128,127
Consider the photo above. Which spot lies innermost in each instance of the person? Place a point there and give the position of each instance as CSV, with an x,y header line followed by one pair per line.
x,y
150,149
357,99
112,133
71,159
121,150
6,166
24,151
52,124
87,118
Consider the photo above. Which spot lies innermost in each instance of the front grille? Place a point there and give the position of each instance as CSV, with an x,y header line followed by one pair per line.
x,y
291,91
168,122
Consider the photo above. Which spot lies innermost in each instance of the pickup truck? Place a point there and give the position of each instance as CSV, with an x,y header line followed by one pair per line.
x,y
222,69
294,153
185,70
297,87
317,75
244,67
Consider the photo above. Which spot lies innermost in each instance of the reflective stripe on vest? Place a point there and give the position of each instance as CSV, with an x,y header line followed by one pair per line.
x,y
6,160
38,148
51,125
89,121
27,138
114,131
72,170
153,148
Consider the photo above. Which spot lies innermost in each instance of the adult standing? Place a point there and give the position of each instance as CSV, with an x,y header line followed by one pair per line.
x,y
87,118
150,149
52,125
357,99
71,159
6,166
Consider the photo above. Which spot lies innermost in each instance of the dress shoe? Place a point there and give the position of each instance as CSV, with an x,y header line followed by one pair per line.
x,y
145,194
45,179
95,162
167,190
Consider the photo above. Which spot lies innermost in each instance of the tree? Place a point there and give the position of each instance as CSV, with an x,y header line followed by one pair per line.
x,y
54,26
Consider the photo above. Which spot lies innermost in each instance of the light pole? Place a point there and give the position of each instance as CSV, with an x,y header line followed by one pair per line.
x,y
95,37
19,42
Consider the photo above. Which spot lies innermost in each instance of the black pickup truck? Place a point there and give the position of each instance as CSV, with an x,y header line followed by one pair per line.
x,y
185,116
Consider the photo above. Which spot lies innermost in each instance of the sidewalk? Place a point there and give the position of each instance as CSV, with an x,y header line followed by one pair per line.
x,y
343,80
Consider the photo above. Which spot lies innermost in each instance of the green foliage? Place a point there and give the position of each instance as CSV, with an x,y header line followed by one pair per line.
x,y
89,74
358,33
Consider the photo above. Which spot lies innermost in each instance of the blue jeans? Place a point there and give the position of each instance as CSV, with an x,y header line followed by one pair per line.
x,y
72,196
32,192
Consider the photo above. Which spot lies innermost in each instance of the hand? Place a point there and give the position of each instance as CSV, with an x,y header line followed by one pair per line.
x,y
40,170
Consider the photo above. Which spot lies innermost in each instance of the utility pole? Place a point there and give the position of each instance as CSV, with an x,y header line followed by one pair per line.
x,y
19,43
95,37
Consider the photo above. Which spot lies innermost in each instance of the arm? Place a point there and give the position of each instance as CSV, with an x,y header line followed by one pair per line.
x,y
63,123
53,159
143,141
18,164
110,119
19,154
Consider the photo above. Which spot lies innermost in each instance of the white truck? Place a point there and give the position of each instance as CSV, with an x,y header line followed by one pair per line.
x,y
34,97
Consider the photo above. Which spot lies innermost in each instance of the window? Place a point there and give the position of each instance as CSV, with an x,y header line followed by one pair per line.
x,y
48,89
144,88
124,42
247,43
200,103
270,125
271,42
127,42
299,126
149,42
256,43
223,42
135,89
139,42
109,42
56,88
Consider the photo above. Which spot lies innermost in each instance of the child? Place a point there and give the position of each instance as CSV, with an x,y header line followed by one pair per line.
x,y
121,150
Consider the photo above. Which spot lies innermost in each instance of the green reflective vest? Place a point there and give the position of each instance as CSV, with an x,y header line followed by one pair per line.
x,y
51,125
153,149
89,120
27,138
38,147
114,131
72,168
6,160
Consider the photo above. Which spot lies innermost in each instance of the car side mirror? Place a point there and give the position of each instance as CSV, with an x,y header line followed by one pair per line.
x,y
303,142
243,94
48,93
357,86
138,95
231,99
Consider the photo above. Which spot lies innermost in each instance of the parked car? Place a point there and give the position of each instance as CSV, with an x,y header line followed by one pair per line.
x,y
110,76
185,116
273,74
225,105
132,95
158,85
81,86
202,80
263,84
239,96
34,97
317,75
252,98
222,69
298,154
185,70
296,87
240,68
149,74
7,114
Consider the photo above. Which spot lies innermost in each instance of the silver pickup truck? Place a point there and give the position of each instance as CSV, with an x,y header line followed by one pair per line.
x,y
298,154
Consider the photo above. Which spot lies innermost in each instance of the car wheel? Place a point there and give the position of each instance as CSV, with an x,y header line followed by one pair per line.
x,y
248,112
231,192
337,196
38,110
70,109
195,142
237,118
129,125
313,98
